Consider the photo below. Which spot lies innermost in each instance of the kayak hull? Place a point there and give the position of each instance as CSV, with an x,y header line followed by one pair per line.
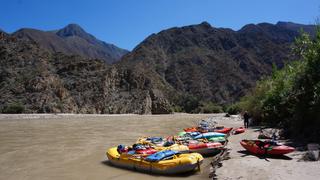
x,y
149,169
209,135
252,146
206,151
210,148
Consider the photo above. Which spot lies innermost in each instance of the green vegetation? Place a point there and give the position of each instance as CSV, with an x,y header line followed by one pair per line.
x,y
290,98
210,107
191,104
13,108
233,109
186,103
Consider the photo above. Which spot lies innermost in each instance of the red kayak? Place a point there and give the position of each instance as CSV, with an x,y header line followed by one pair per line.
x,y
191,129
209,148
239,130
204,145
265,147
223,130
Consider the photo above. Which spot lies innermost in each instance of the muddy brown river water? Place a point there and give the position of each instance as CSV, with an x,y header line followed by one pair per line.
x,y
72,147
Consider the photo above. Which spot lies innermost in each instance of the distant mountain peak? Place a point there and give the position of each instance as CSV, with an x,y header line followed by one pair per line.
x,y
73,25
72,39
205,23
72,30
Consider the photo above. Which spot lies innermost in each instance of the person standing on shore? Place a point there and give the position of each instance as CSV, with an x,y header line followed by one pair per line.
x,y
246,119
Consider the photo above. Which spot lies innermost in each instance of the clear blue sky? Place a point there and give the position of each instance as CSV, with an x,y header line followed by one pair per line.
x,y
125,23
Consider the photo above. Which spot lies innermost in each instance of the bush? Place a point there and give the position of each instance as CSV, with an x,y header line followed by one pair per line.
x,y
15,108
233,109
186,103
210,107
177,109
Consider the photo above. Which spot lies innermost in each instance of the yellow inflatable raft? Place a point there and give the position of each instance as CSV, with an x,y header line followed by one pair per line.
x,y
178,163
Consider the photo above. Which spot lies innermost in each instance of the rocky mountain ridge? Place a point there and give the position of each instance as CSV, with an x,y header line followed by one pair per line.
x,y
214,64
73,40
197,62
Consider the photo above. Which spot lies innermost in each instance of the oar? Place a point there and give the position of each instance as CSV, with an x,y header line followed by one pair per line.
x,y
198,163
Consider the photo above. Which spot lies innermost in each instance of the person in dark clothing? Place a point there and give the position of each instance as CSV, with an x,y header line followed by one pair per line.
x,y
246,119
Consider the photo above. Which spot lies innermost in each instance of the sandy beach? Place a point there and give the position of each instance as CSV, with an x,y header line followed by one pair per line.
x,y
73,147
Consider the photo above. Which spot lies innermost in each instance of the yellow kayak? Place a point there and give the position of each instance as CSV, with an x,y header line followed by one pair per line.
x,y
173,164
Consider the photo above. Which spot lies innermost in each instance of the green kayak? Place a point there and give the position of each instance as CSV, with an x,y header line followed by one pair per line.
x,y
182,133
217,139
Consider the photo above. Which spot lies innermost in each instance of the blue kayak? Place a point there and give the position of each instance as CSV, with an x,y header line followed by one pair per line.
x,y
155,140
209,135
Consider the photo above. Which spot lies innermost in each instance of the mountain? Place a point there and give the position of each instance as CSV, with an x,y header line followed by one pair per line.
x,y
46,82
73,40
213,64
180,66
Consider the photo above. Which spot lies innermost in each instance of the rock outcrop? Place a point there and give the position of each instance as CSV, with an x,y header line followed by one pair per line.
x,y
45,82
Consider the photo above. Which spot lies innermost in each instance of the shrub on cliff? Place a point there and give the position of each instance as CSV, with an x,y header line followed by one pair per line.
x,y
14,108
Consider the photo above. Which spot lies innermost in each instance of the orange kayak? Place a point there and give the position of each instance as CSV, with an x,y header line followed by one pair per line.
x,y
191,129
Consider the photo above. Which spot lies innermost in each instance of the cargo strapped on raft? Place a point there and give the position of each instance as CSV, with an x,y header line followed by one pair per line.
x,y
162,155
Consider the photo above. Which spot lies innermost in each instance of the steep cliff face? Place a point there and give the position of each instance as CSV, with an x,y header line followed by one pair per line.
x,y
46,82
213,64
